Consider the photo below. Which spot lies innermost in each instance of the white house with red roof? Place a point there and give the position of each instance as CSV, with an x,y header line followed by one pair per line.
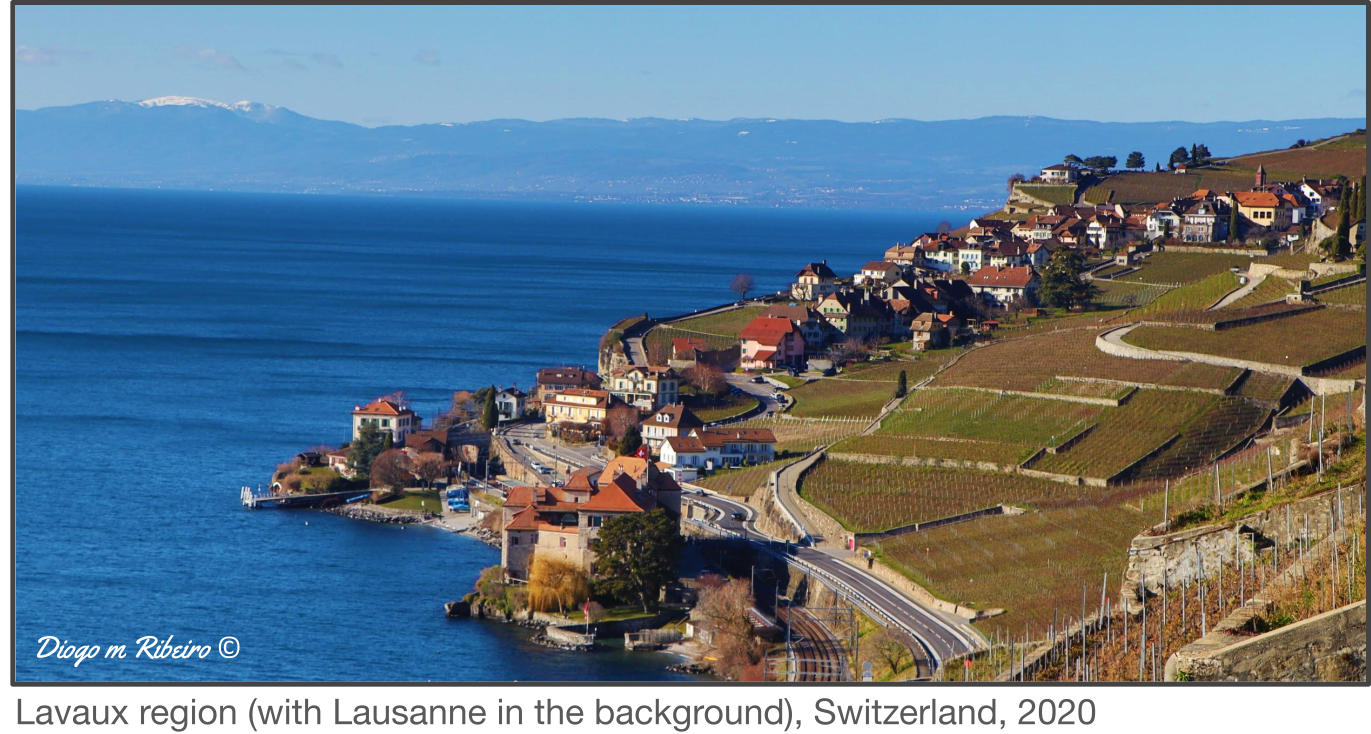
x,y
770,342
387,416
1003,285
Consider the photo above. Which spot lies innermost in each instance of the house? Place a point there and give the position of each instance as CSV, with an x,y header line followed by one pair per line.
x,y
1007,253
1323,196
1104,230
1005,285
689,351
429,442
387,416
815,329
509,403
556,379
561,522
928,332
647,387
577,405
1039,252
814,281
339,462
904,254
711,448
877,272
857,315
1263,209
942,254
769,342
1060,174
1163,221
1203,221
668,422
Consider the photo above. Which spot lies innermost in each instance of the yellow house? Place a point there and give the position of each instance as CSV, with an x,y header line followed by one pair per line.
x,y
577,405
1264,209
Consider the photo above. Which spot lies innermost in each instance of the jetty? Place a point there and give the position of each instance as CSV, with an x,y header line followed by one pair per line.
x,y
257,498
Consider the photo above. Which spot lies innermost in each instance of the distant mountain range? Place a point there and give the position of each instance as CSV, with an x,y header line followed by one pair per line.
x,y
190,143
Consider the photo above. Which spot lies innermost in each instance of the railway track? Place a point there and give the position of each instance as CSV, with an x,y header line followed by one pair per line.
x,y
814,652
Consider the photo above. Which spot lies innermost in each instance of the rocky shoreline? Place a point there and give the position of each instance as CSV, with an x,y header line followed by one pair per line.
x,y
371,513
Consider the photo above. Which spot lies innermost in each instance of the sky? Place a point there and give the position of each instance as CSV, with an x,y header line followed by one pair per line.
x,y
410,65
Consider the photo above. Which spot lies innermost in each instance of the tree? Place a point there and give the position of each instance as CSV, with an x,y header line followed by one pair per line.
x,y
658,352
631,442
429,466
1062,284
556,583
635,555
893,648
1072,160
364,449
1101,162
463,407
1342,239
850,348
618,420
901,385
943,227
1016,178
1178,156
1159,168
723,608
1359,211
1201,155
966,268
1136,160
1234,223
708,379
742,284
390,469
490,415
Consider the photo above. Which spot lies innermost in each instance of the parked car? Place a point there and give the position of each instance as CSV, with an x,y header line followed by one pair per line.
x,y
517,442
738,516
758,379
830,372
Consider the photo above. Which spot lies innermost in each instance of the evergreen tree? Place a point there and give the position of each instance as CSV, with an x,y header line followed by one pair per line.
x,y
490,415
1233,223
1359,211
369,444
1178,156
1136,160
1062,285
901,385
631,442
635,556
1342,243
1194,154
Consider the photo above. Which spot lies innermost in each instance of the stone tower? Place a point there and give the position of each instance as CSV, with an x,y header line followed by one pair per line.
x,y
1261,176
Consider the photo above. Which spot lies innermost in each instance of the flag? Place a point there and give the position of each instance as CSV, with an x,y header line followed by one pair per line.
x,y
641,453
586,609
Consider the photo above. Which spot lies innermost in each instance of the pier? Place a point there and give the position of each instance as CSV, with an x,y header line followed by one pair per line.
x,y
256,498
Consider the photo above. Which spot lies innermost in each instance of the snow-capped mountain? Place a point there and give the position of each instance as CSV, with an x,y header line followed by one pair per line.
x,y
191,142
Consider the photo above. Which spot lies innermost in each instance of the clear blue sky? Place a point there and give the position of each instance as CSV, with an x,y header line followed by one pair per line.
x,y
427,64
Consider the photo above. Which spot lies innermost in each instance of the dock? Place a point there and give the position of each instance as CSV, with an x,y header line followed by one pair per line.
x,y
259,498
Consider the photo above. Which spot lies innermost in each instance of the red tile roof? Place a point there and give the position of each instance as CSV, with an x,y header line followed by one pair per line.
x,y
382,407
1256,198
767,330
619,495
998,277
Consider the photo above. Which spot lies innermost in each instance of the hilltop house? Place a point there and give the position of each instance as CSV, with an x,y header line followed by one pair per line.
x,y
646,387
561,522
769,342
1003,286
1060,174
814,281
711,448
387,416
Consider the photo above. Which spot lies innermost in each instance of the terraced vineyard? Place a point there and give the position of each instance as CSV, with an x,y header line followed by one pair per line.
x,y
795,436
1270,289
1153,187
829,398
1295,340
903,446
740,482
1024,364
1217,430
1352,295
1078,389
1122,294
1180,268
664,334
1187,302
1029,565
1123,435
1264,388
874,497
988,416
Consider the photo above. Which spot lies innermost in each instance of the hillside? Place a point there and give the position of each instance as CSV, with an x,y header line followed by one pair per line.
x,y
186,143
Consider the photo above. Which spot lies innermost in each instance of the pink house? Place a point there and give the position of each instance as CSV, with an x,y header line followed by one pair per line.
x,y
769,342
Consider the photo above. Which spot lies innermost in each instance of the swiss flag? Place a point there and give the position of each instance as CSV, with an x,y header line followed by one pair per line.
x,y
586,609
641,453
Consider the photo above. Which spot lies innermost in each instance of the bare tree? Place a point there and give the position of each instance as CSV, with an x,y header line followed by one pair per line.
x,y
723,607
944,227
658,352
707,378
742,284
1017,178
618,420
850,348
390,469
464,407
894,648
428,466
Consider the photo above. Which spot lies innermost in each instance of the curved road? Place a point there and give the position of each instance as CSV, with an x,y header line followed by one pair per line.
x,y
940,637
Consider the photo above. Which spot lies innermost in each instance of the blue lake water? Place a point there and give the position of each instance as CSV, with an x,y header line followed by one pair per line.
x,y
174,346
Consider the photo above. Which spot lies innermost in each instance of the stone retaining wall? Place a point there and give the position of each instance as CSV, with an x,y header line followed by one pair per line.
x,y
1327,647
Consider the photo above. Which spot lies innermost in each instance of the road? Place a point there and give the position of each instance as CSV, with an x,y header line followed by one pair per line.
x,y
534,444
760,390
940,636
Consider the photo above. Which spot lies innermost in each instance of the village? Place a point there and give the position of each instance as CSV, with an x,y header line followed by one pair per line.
x,y
1085,377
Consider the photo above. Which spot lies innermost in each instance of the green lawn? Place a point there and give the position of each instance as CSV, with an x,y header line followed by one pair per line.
x,y
432,502
728,406
727,323
834,398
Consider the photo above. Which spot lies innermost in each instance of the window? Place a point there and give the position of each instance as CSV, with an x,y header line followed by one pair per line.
x,y
563,541
513,539
596,521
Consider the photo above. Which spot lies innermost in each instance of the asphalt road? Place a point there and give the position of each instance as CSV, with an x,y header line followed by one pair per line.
x,y
940,636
